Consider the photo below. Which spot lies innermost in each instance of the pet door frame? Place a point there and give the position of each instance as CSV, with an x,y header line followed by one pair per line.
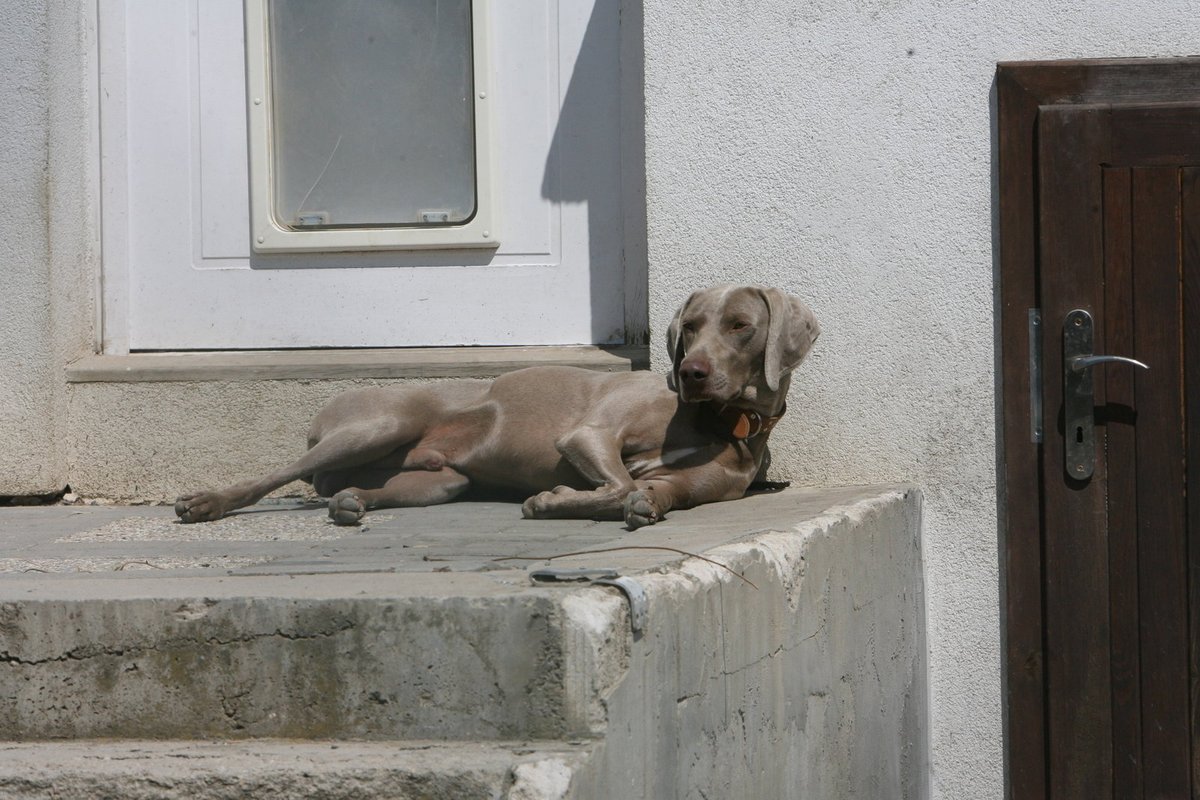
x,y
269,235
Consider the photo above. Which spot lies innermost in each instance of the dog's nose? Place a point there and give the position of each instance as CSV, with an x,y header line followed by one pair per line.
x,y
694,370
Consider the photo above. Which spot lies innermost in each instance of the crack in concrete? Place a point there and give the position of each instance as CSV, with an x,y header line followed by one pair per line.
x,y
778,651
87,652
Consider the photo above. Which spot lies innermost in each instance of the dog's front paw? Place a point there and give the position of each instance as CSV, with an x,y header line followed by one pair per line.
x,y
536,507
346,509
201,507
642,508
546,505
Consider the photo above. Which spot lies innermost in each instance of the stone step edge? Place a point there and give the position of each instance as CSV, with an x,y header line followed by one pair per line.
x,y
286,769
322,668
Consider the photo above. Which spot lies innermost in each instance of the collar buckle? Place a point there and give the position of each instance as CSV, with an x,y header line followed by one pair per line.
x,y
746,424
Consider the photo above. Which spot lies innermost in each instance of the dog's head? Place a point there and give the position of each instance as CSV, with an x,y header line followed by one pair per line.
x,y
730,342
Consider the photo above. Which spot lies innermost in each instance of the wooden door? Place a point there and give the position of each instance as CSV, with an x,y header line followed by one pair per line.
x,y
1102,573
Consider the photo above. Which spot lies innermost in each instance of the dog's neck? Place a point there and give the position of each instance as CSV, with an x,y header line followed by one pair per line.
x,y
744,423
763,400
755,412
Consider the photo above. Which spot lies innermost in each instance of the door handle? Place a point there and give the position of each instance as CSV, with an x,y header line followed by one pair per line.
x,y
1079,437
1083,362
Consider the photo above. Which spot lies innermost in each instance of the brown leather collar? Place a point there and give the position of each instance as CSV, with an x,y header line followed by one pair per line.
x,y
746,424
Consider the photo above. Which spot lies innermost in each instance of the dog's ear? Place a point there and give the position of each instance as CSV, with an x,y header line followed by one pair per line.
x,y
675,345
791,331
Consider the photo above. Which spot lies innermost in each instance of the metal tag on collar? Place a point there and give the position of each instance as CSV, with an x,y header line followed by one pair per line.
x,y
741,428
751,424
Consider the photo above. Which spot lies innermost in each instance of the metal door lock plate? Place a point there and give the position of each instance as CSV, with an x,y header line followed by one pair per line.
x,y
1079,402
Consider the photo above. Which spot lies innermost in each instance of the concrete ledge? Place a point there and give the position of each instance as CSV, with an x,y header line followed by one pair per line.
x,y
146,770
809,684
414,362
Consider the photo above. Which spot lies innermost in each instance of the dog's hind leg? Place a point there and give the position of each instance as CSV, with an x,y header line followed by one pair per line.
x,y
407,488
350,445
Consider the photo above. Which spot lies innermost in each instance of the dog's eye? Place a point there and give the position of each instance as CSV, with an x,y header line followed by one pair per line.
x,y
739,325
688,327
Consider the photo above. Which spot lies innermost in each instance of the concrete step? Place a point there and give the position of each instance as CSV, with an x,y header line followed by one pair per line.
x,y
781,655
148,770
372,656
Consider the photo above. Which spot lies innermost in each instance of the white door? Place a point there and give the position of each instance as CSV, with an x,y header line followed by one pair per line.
x,y
179,269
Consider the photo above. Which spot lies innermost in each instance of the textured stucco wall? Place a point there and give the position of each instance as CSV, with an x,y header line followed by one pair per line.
x,y
155,441
49,232
28,458
73,176
843,149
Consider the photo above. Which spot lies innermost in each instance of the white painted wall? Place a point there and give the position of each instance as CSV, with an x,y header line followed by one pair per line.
x,y
843,149
49,233
26,378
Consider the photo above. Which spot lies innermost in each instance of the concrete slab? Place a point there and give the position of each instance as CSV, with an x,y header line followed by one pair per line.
x,y
273,622
296,538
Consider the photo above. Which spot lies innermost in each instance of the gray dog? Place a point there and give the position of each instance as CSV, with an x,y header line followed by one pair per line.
x,y
580,444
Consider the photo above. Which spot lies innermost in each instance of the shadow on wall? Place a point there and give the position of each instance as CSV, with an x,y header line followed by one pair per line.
x,y
609,176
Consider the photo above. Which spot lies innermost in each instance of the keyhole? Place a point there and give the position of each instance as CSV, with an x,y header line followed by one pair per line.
x,y
1079,435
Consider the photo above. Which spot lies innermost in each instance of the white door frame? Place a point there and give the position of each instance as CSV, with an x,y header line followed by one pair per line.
x,y
504,300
